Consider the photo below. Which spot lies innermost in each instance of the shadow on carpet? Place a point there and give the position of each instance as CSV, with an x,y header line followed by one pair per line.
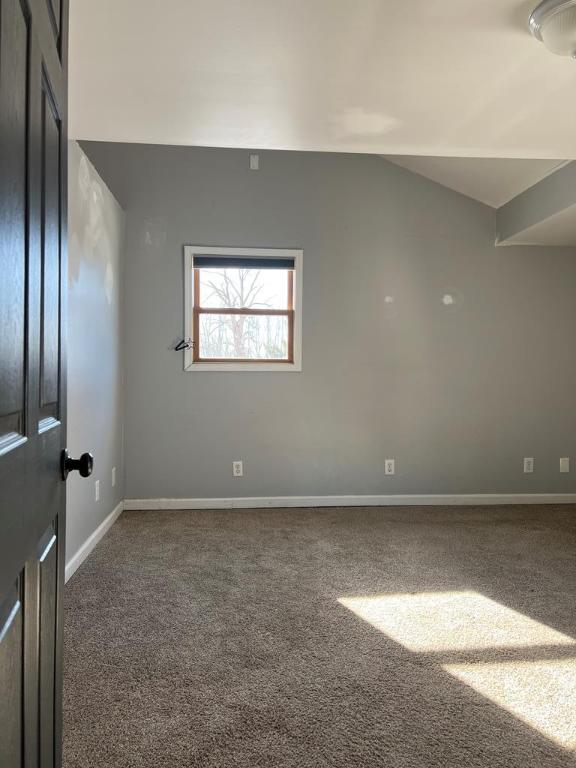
x,y
398,637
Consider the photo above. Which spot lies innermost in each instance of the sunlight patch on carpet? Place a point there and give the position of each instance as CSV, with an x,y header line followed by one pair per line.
x,y
540,693
452,621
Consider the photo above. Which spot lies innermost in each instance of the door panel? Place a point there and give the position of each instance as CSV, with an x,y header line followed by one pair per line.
x,y
32,379
54,10
13,162
11,673
47,576
50,280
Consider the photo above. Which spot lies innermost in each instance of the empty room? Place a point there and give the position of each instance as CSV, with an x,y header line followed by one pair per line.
x,y
287,384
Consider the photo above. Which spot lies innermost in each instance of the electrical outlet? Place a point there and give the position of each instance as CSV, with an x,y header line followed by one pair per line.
x,y
528,466
565,465
113,476
254,162
390,466
237,469
97,490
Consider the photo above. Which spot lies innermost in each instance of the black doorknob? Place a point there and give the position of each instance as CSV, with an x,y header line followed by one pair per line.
x,y
84,464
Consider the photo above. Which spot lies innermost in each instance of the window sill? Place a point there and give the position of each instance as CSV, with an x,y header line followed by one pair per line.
x,y
248,367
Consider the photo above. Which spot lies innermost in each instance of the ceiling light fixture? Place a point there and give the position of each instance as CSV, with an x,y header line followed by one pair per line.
x,y
553,22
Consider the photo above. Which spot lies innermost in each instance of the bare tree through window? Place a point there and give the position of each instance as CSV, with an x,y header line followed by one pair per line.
x,y
243,314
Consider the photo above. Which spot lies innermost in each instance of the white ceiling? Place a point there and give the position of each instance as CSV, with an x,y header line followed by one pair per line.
x,y
491,181
459,78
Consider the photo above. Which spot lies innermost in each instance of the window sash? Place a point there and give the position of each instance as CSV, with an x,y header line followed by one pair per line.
x,y
199,310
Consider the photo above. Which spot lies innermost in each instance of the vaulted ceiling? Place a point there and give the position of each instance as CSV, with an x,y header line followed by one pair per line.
x,y
458,78
491,181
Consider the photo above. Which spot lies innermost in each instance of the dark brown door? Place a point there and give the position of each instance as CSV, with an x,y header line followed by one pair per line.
x,y
33,44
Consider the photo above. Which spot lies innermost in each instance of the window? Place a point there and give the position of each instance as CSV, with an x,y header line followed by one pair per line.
x,y
243,309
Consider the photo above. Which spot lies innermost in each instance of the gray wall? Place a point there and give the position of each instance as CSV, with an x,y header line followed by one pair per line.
x,y
95,411
457,393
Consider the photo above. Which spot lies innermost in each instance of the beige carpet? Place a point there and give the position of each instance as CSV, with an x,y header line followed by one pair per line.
x,y
404,638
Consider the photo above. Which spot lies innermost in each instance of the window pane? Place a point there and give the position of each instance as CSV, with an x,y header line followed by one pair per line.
x,y
244,337
246,288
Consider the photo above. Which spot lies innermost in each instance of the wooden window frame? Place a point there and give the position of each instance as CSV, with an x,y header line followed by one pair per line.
x,y
200,310
193,311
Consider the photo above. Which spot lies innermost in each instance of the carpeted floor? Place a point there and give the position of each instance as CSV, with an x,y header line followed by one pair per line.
x,y
397,638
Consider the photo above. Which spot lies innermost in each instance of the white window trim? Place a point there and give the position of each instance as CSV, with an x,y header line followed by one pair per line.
x,y
260,253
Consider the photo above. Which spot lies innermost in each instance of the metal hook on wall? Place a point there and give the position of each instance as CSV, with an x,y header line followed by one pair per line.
x,y
184,344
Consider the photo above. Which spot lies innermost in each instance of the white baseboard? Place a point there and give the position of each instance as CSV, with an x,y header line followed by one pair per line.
x,y
78,558
477,499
